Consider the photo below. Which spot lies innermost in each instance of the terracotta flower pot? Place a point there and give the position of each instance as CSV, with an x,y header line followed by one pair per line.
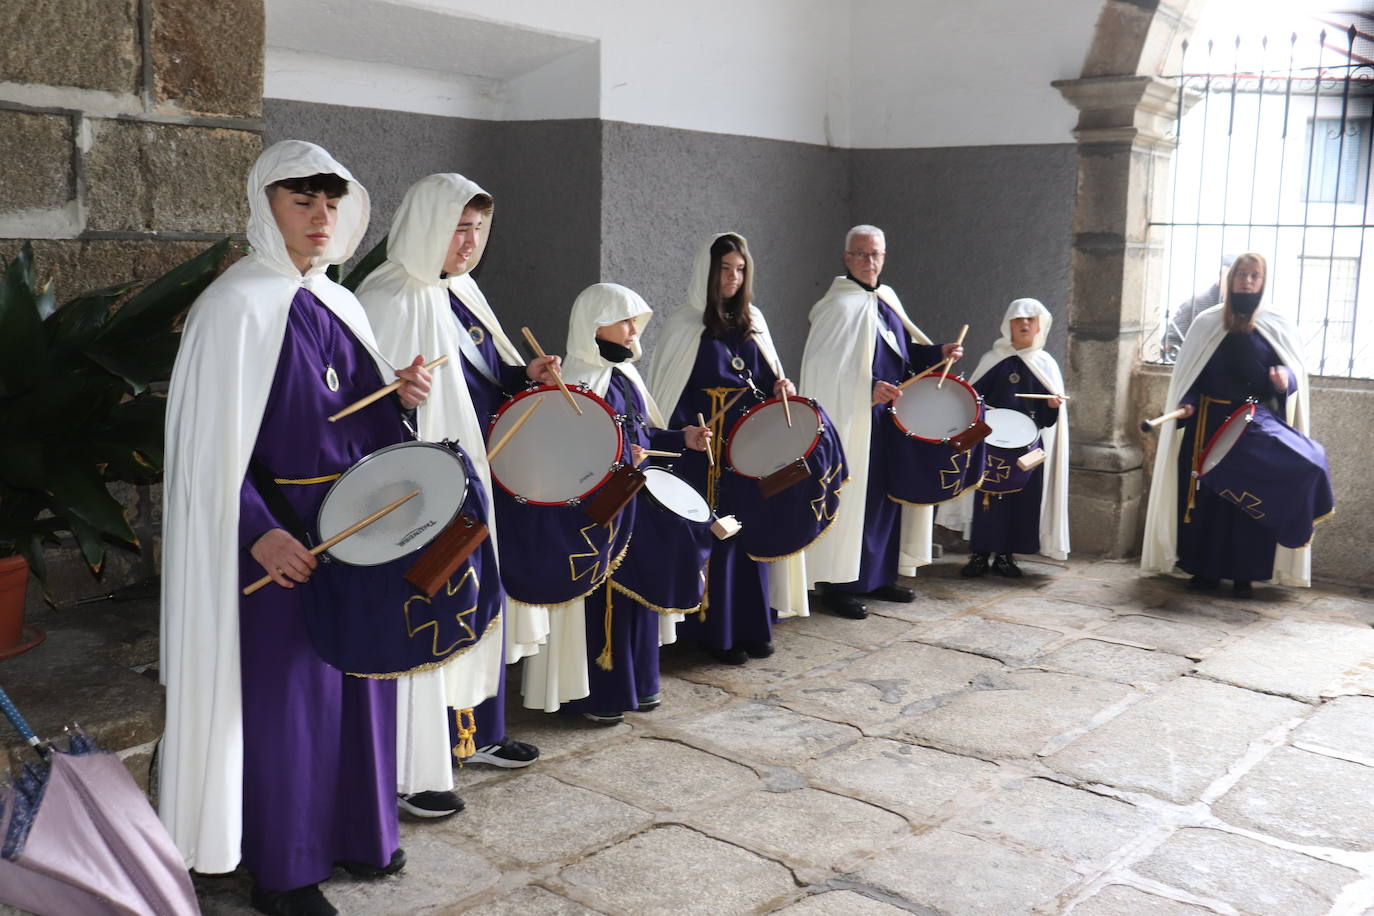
x,y
14,580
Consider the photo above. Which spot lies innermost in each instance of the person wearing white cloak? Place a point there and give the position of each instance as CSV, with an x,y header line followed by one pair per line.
x,y
860,346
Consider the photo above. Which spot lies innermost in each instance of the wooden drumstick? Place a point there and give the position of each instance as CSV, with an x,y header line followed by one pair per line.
x,y
347,532
728,404
1148,425
539,352
383,391
1044,397
710,459
950,362
918,376
786,411
659,453
514,428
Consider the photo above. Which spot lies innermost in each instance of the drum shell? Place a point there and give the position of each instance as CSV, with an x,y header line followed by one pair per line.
x,y
794,518
1275,475
664,567
925,471
1001,473
556,554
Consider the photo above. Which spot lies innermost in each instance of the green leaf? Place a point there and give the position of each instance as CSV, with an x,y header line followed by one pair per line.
x,y
91,542
370,262
23,350
81,495
31,549
155,308
78,320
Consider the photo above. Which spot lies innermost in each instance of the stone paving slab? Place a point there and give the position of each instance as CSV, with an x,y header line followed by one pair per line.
x,y
806,827
1170,636
438,873
530,900
942,581
956,875
1121,594
1254,877
1305,798
674,870
916,781
759,676
754,732
1343,727
1316,656
658,775
1121,900
1007,642
1050,613
877,630
1014,715
1037,814
1177,742
935,603
1350,607
840,903
1111,662
1203,610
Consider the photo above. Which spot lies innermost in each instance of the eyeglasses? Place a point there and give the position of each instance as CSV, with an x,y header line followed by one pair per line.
x,y
867,255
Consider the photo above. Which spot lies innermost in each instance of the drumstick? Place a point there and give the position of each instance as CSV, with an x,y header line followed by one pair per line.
x,y
514,428
950,362
728,404
347,532
1148,425
383,391
659,453
919,375
786,411
710,459
1047,397
539,352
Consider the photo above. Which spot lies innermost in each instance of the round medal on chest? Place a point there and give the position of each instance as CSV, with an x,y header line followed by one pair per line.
x,y
477,334
737,363
1014,378
331,378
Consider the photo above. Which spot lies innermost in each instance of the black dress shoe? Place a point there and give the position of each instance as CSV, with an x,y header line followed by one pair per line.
x,y
846,604
757,649
976,566
1202,584
300,901
368,870
898,594
1005,565
1241,588
735,656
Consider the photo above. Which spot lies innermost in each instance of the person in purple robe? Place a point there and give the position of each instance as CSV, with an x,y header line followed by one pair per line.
x,y
731,352
272,756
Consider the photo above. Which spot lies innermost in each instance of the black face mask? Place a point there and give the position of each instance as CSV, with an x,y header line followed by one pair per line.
x,y
613,352
1244,303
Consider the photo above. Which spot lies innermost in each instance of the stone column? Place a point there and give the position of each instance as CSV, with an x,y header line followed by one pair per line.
x,y
1123,166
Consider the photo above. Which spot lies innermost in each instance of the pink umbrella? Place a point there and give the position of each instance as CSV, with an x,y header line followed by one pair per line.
x,y
77,835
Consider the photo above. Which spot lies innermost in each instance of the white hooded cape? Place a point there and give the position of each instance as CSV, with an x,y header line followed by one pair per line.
x,y
219,389
1160,550
1054,502
674,357
408,305
559,672
837,370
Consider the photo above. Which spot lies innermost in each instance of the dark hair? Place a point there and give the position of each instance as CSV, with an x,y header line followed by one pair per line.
x,y
722,316
482,203
326,183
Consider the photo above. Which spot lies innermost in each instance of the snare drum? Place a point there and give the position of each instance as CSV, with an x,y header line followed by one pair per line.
x,y
1013,435
554,553
664,566
925,469
782,483
362,616
1272,472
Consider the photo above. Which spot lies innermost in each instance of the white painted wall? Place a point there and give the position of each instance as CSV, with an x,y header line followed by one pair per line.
x,y
860,73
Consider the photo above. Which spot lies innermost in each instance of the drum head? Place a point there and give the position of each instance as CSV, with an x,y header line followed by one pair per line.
x,y
761,441
930,412
1010,428
1225,438
382,478
557,455
676,495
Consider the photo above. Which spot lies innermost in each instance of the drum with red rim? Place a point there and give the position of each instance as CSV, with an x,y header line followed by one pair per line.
x,y
1013,435
924,469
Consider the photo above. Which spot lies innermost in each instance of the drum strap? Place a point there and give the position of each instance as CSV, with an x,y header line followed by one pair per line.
x,y
718,398
278,504
1199,442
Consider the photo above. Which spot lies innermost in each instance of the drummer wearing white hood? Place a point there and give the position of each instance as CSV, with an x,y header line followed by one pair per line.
x,y
861,345
424,297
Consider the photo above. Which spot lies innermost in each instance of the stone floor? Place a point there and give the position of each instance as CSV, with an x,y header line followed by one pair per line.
x,y
1084,740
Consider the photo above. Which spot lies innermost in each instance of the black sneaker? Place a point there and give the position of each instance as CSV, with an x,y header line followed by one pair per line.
x,y
508,754
368,870
430,804
976,566
300,901
1005,565
654,701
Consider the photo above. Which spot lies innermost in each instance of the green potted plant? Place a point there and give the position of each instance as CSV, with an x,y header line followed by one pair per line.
x,y
80,408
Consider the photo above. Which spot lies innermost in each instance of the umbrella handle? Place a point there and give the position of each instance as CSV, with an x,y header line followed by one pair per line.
x,y
7,707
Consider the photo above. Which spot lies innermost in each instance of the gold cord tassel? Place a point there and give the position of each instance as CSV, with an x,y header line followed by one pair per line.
x,y
465,747
604,660
987,500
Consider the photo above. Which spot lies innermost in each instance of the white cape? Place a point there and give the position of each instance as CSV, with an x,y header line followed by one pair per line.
x,y
219,389
1054,502
674,356
1160,550
837,370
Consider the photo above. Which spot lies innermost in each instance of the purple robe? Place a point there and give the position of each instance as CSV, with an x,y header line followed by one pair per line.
x,y
319,746
633,629
1216,539
1010,522
737,604
883,516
